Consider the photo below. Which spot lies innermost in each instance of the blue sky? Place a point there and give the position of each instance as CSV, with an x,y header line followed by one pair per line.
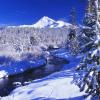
x,y
16,12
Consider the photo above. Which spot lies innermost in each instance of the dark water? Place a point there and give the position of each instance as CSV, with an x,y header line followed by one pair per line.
x,y
8,84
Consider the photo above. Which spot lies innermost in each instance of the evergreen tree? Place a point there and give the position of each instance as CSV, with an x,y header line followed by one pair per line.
x,y
87,74
87,33
72,42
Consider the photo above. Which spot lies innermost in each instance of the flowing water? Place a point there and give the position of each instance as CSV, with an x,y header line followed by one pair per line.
x,y
8,84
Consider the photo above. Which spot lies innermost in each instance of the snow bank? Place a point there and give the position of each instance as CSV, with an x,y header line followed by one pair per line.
x,y
55,86
20,67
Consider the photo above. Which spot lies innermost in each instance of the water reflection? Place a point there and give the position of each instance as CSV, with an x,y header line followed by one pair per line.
x,y
4,84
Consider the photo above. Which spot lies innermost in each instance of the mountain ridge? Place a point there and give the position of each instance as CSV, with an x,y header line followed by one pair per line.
x,y
45,22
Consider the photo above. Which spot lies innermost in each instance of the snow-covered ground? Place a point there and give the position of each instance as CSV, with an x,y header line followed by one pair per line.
x,y
56,86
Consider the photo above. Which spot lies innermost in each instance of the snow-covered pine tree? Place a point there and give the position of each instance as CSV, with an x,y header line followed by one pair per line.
x,y
72,42
87,74
87,34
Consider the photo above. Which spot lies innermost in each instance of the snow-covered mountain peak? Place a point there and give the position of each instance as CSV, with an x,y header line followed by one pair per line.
x,y
45,18
44,22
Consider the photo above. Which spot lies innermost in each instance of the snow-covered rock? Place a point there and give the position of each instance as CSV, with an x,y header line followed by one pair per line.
x,y
3,74
17,84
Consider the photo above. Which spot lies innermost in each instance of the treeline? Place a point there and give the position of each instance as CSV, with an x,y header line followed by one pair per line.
x,y
22,40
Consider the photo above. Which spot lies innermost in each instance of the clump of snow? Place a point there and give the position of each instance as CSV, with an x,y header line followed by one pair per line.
x,y
17,84
3,74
